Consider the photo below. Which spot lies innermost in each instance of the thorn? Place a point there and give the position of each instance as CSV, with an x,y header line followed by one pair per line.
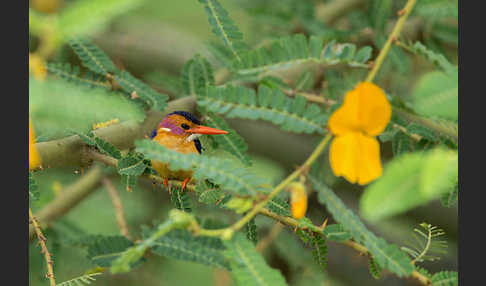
x,y
323,225
165,182
401,12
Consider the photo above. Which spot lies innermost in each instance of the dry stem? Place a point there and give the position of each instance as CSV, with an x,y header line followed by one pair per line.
x,y
45,251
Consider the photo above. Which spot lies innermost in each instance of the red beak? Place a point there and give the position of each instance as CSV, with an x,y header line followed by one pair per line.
x,y
206,130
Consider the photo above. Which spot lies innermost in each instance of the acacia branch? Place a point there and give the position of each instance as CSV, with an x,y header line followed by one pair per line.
x,y
70,151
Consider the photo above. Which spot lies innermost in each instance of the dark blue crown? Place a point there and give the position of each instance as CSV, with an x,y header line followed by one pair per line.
x,y
187,116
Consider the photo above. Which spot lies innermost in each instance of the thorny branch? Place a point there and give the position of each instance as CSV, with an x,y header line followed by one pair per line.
x,y
45,251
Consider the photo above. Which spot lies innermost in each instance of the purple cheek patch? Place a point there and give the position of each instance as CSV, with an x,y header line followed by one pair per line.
x,y
173,127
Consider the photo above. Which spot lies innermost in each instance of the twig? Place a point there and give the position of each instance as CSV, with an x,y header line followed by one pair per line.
x,y
267,240
118,206
69,198
45,251
392,37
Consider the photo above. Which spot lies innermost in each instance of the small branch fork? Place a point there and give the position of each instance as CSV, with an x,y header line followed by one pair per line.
x,y
45,251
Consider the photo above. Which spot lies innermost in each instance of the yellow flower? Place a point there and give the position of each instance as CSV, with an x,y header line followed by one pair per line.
x,y
37,66
298,199
34,159
355,152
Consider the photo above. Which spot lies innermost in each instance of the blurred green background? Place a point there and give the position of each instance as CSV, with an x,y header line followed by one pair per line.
x,y
152,39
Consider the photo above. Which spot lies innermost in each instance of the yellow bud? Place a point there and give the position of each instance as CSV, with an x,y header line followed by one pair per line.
x,y
227,234
239,205
298,199
34,158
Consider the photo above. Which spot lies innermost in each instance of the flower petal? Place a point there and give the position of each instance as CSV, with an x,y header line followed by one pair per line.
x,y
356,157
365,108
34,159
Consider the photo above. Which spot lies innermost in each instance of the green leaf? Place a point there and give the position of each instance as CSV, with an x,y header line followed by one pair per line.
x,y
436,95
221,171
208,193
291,51
387,255
180,199
305,81
378,12
124,262
224,28
182,245
427,243
71,73
435,9
247,266
33,192
107,148
103,250
197,75
408,181
130,84
436,58
375,269
449,199
292,114
131,165
232,142
445,278
81,280
92,57
421,130
319,250
401,143
279,207
363,54
336,232
251,231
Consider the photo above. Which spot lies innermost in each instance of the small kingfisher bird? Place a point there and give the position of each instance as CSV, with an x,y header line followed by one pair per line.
x,y
179,131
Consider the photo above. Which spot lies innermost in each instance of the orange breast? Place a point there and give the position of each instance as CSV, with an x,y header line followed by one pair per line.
x,y
177,143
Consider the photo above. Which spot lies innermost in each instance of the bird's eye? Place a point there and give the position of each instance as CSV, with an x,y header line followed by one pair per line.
x,y
185,126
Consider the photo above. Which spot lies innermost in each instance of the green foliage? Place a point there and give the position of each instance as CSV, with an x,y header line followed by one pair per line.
x,y
436,95
33,192
414,178
378,13
180,199
436,58
182,245
224,28
401,143
247,266
132,165
107,148
251,231
208,193
103,250
92,57
128,181
130,84
72,73
279,206
197,75
81,280
375,269
445,278
291,114
295,50
427,243
336,232
386,255
57,106
436,9
449,199
232,142
319,250
125,260
221,171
